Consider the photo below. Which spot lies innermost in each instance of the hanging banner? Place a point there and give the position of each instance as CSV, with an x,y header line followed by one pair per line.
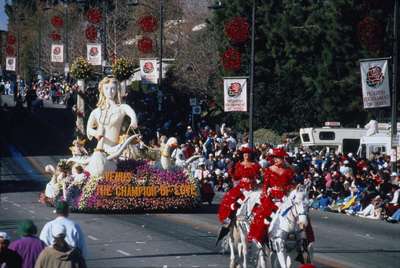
x,y
375,83
148,71
94,54
57,53
235,94
10,64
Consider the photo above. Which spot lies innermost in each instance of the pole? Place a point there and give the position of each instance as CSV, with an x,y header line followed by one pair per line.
x,y
40,46
394,87
66,39
105,31
161,54
253,18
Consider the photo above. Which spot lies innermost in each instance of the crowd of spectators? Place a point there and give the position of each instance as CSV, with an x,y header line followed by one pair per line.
x,y
341,183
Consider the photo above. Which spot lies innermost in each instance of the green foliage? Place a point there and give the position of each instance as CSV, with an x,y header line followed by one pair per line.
x,y
122,69
306,61
263,135
81,69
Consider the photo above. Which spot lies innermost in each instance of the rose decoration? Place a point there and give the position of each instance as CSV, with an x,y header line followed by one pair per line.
x,y
94,15
10,51
231,59
148,23
370,33
145,45
122,69
11,39
91,33
81,69
55,36
57,21
237,29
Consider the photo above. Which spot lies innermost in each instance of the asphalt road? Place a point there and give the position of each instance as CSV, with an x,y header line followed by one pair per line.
x,y
187,239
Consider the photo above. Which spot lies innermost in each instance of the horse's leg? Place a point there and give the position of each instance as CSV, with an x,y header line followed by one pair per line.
x,y
262,255
310,250
279,245
243,242
231,247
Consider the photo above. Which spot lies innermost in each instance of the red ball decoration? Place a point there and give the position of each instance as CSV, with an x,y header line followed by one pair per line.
x,y
145,45
148,23
10,51
231,59
55,36
94,15
57,21
11,39
370,33
91,33
237,29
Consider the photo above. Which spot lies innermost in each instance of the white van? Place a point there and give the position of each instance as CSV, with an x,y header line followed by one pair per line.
x,y
379,143
337,139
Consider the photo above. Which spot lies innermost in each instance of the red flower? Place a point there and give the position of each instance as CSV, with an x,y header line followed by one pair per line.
x,y
370,33
231,59
11,39
94,15
10,51
55,36
148,23
145,45
57,21
91,33
237,29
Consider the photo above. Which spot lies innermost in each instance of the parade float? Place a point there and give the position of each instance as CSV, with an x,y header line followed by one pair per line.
x,y
122,173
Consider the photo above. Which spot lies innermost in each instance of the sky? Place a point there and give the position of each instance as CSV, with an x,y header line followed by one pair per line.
x,y
3,16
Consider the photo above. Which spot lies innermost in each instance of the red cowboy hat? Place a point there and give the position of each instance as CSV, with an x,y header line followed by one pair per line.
x,y
246,150
279,152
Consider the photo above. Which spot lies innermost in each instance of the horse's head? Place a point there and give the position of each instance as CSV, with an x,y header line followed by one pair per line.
x,y
299,199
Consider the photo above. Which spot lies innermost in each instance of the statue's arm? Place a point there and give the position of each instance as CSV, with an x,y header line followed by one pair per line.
x,y
131,114
90,127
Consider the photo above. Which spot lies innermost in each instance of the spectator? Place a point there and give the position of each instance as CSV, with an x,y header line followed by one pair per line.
x,y
28,246
74,235
60,254
8,258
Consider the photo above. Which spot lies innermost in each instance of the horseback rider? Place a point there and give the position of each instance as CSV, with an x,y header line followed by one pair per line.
x,y
278,182
246,172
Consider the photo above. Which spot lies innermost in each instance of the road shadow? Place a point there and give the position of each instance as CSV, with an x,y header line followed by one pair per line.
x,y
352,251
14,186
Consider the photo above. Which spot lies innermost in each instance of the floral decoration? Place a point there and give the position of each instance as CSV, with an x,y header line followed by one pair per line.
x,y
370,33
145,45
122,69
11,39
94,15
10,51
81,69
231,59
57,21
91,33
148,23
237,29
55,36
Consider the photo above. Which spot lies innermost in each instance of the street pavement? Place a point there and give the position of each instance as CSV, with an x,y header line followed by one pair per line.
x,y
188,239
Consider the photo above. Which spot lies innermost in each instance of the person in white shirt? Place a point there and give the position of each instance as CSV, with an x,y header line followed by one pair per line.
x,y
74,235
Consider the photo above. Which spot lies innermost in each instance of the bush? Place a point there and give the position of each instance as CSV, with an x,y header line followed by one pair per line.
x,y
81,69
122,69
263,135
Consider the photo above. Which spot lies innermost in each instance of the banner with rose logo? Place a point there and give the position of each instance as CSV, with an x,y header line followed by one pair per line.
x,y
148,71
94,54
10,64
57,53
375,83
235,94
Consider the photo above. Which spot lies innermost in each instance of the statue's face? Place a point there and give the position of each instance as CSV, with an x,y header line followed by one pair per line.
x,y
110,90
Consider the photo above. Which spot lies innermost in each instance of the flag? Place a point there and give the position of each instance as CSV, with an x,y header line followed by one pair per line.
x,y
235,94
375,83
148,71
10,64
94,54
57,53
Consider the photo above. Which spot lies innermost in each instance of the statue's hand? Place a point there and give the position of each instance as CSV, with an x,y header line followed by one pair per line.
x,y
99,133
133,125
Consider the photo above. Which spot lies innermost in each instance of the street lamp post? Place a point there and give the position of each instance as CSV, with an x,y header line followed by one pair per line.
x,y
218,5
161,5
394,87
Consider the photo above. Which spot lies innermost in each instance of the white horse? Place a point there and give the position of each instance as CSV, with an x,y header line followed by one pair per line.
x,y
290,219
239,228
